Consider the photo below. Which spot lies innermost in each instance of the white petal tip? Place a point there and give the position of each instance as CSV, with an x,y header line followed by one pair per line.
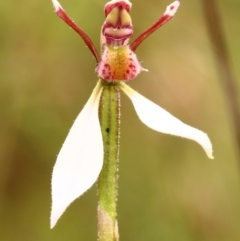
x,y
205,142
146,70
53,222
54,218
210,156
172,8
56,5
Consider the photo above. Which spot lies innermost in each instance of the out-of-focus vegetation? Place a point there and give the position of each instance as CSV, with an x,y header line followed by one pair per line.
x,y
168,188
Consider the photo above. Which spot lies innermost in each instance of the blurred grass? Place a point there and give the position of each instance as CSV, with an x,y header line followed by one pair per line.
x,y
168,189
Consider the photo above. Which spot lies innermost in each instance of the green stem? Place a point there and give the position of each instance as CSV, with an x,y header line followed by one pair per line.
x,y
109,115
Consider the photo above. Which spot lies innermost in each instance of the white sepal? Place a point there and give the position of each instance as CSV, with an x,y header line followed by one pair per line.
x,y
160,120
80,160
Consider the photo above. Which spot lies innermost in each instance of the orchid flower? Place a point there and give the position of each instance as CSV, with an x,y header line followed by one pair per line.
x,y
80,160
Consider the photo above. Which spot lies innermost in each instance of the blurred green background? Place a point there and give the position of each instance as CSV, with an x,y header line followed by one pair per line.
x,y
168,189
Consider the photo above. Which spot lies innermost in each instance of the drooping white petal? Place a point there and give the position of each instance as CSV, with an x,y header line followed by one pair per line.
x,y
160,120
80,160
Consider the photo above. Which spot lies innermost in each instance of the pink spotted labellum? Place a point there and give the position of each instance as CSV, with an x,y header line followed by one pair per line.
x,y
81,157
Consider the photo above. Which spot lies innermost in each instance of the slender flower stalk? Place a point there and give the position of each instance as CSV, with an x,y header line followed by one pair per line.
x,y
90,151
109,115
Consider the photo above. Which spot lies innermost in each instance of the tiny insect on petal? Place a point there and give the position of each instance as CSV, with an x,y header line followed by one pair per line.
x,y
160,120
80,159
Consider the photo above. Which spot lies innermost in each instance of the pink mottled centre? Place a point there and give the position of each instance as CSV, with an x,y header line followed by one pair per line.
x,y
118,64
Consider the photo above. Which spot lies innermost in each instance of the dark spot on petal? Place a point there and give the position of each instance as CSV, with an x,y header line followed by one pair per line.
x,y
107,66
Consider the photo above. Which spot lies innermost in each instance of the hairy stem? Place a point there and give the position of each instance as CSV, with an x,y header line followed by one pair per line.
x,y
109,115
